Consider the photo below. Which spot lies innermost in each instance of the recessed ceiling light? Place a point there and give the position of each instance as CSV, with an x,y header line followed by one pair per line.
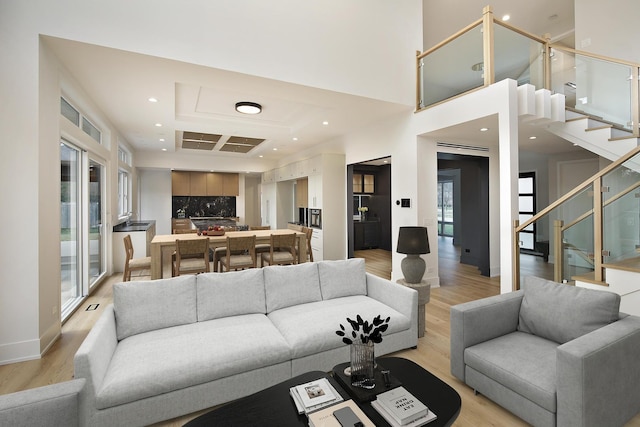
x,y
161,140
152,99
295,139
275,149
164,149
484,129
532,137
386,161
159,125
326,123
246,107
506,17
261,156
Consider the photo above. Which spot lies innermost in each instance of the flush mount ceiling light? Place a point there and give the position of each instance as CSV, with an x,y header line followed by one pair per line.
x,y
248,107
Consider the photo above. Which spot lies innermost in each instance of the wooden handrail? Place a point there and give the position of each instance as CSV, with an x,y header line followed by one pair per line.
x,y
578,189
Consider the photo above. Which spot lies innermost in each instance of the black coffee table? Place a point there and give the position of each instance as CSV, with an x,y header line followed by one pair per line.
x,y
274,406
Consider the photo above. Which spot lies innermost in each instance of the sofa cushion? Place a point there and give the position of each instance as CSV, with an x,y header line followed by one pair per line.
x,y
342,278
561,312
230,294
288,285
311,328
523,363
143,306
164,360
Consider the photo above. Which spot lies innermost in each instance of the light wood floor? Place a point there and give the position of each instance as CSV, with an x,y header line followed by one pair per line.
x,y
459,283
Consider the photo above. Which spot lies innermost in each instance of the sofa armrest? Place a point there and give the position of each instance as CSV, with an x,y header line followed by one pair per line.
x,y
51,405
481,320
92,359
598,376
398,297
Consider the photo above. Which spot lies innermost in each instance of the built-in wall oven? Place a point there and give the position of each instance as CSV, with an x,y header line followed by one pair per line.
x,y
315,218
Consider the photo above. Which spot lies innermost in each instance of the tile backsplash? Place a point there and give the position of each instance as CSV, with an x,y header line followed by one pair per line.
x,y
203,206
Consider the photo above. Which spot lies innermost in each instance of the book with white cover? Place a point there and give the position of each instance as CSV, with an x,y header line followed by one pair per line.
x,y
325,417
402,405
394,423
315,392
300,405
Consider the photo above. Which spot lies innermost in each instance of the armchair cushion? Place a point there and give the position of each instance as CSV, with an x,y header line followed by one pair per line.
x,y
561,312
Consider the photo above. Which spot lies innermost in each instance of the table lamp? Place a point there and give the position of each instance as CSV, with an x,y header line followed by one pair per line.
x,y
413,241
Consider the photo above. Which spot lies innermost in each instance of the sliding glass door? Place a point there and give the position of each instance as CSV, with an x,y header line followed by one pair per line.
x,y
82,255
70,225
96,230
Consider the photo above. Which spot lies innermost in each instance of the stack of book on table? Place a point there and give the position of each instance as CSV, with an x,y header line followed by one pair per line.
x,y
314,395
401,408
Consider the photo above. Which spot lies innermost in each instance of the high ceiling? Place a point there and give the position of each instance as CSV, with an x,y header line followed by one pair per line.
x,y
201,100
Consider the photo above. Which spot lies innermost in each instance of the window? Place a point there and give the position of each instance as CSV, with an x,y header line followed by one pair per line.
x,y
445,208
123,193
91,130
123,156
75,117
527,208
69,112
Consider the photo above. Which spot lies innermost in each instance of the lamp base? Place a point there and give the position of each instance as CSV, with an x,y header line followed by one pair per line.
x,y
413,267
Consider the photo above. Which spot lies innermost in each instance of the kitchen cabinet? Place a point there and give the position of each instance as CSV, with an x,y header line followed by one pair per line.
x,y
230,184
198,184
180,183
141,236
363,183
302,192
214,184
191,183
366,235
317,245
314,186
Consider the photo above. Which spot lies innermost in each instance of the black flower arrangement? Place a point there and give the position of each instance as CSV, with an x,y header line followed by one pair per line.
x,y
368,331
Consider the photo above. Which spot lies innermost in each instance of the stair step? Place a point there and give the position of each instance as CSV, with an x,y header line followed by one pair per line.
x,y
622,138
629,264
588,278
598,128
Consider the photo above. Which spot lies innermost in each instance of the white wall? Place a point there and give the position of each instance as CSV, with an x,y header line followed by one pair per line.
x,y
155,198
594,28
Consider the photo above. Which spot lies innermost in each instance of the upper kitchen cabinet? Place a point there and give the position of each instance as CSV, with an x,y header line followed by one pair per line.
x,y
314,188
180,183
302,192
189,183
198,184
214,184
363,183
230,184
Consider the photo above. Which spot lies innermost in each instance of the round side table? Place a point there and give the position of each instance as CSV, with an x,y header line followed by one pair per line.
x,y
424,294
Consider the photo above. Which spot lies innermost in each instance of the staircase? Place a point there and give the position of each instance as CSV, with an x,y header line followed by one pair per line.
x,y
606,139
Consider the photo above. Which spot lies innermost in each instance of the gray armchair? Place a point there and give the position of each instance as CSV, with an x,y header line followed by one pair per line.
x,y
552,354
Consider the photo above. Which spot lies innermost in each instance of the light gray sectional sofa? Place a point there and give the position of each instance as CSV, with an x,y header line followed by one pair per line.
x,y
170,347
554,355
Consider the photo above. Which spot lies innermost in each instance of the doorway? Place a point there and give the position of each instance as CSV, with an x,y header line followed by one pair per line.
x,y
463,219
369,196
